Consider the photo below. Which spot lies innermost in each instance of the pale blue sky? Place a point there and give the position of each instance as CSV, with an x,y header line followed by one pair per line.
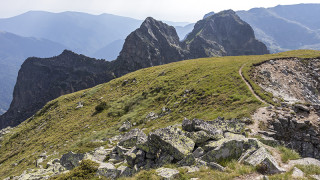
x,y
172,10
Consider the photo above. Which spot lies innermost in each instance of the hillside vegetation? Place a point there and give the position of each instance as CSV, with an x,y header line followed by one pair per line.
x,y
201,88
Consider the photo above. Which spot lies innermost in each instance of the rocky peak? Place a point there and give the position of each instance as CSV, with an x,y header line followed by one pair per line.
x,y
154,43
222,34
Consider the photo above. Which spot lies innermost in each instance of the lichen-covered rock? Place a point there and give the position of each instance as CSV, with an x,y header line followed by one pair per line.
x,y
164,159
230,135
264,161
224,148
125,171
167,173
198,152
201,125
173,141
99,154
108,170
71,160
187,160
198,137
132,138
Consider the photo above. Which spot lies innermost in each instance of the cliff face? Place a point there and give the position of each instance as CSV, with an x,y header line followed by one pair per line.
x,y
41,80
154,43
223,34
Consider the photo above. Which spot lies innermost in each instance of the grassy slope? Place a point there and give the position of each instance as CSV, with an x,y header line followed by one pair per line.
x,y
215,89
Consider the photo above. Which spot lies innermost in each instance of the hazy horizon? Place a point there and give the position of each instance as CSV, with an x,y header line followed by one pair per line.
x,y
178,10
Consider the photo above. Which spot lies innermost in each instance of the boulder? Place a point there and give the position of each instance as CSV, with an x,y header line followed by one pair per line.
x,y
230,135
164,159
167,173
216,166
264,161
187,160
198,152
125,171
301,107
125,126
198,137
297,173
71,160
201,125
132,138
224,148
108,170
173,141
99,154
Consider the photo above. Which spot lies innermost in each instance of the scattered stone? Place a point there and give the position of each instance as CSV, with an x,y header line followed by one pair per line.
x,y
125,171
216,166
71,160
151,116
297,173
167,173
108,170
125,126
80,105
264,161
98,155
191,169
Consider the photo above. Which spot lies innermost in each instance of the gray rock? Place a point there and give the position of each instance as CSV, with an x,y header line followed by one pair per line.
x,y
164,159
108,170
297,173
216,166
173,141
125,126
167,173
125,171
132,138
71,160
99,154
198,152
304,161
264,161
187,160
301,107
224,148
198,137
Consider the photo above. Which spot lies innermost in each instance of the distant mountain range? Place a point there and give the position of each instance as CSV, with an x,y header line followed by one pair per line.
x,y
288,27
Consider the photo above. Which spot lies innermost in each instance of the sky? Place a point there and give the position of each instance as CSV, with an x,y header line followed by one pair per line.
x,y
170,10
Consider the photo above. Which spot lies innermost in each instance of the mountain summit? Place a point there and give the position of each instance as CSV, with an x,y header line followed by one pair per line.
x,y
223,34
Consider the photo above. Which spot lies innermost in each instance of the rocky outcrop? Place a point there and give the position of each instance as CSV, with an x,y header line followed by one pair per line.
x,y
292,79
223,34
41,80
170,145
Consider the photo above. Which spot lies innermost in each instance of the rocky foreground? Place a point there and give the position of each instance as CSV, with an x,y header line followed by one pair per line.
x,y
190,145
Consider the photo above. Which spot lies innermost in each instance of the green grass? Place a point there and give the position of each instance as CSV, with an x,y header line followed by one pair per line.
x,y
288,154
233,169
202,88
86,170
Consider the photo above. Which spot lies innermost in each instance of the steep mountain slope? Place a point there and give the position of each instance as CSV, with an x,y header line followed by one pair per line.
x,y
14,50
223,34
285,27
81,32
41,80
154,43
149,98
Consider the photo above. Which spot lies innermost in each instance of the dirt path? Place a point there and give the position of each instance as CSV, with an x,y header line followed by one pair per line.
x,y
249,86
